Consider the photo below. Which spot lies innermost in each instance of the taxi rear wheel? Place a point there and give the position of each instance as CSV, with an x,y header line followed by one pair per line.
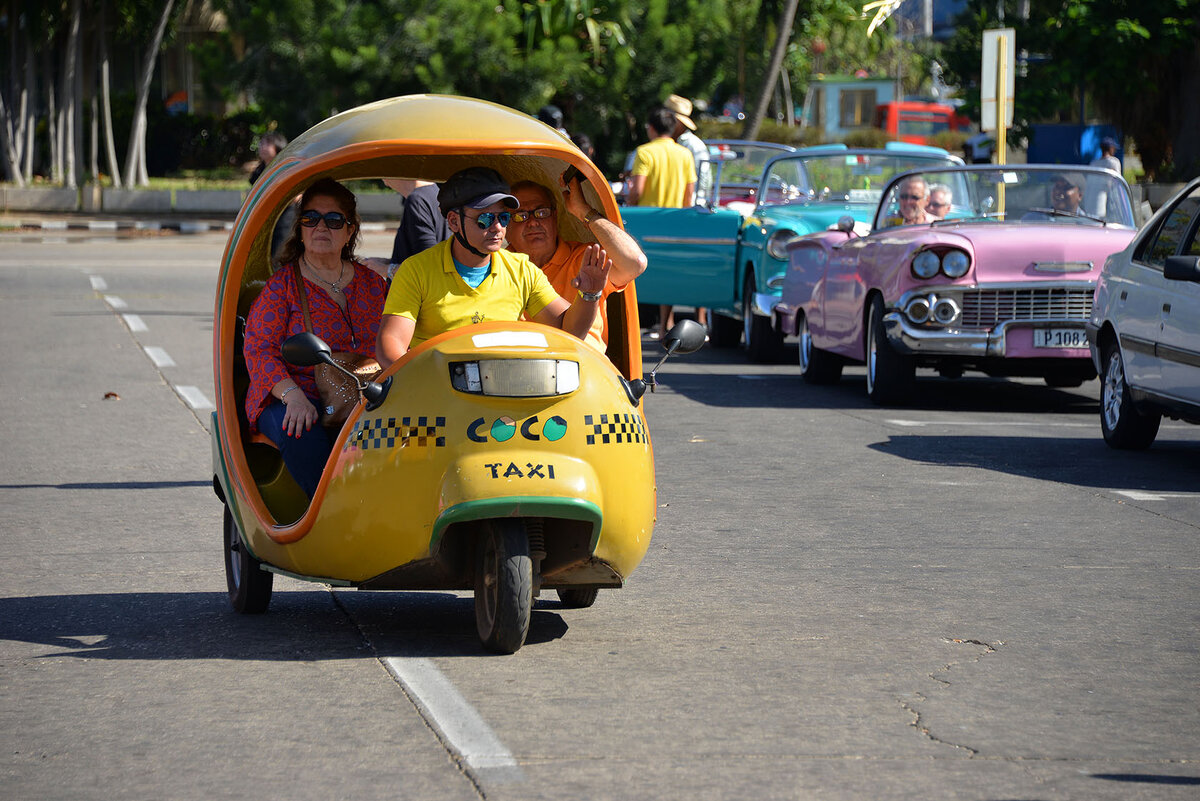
x,y
249,585
503,586
577,597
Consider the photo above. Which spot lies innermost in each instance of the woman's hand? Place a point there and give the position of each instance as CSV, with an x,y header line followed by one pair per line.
x,y
299,414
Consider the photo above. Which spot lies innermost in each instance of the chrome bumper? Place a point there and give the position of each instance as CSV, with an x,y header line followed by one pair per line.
x,y
909,339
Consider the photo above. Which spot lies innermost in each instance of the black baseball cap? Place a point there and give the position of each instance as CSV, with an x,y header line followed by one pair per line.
x,y
476,188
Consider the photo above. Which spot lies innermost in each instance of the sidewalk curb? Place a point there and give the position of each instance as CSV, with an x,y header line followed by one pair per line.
x,y
8,224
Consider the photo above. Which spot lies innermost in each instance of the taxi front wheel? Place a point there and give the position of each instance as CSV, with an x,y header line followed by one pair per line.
x,y
249,585
503,586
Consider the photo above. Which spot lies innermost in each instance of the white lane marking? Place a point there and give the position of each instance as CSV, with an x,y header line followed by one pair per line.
x,y
115,302
135,322
1039,423
159,356
194,397
98,283
447,711
102,225
1140,495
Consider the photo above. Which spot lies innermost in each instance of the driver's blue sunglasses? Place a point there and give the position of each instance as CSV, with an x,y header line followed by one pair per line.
x,y
486,219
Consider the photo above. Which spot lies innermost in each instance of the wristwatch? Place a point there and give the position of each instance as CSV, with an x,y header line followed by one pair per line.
x,y
592,216
591,297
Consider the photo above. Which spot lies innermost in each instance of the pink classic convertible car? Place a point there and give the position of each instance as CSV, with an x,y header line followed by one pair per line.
x,y
988,268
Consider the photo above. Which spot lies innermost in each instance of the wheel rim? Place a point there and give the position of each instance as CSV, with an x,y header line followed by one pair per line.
x,y
872,353
237,552
1113,390
805,348
747,314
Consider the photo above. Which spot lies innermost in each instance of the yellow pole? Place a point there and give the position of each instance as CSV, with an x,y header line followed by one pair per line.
x,y
1001,115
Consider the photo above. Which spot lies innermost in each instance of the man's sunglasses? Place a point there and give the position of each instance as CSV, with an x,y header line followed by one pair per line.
x,y
333,220
523,215
486,219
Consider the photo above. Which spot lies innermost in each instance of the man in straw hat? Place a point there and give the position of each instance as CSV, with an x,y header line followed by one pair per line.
x,y
685,134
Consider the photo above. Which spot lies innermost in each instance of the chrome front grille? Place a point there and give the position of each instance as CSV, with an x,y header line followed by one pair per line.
x,y
986,308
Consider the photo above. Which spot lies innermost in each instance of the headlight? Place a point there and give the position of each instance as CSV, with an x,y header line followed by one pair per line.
x,y
777,243
515,378
925,265
918,310
945,311
955,264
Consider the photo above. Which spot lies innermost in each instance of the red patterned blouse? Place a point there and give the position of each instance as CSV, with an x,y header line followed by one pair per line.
x,y
275,315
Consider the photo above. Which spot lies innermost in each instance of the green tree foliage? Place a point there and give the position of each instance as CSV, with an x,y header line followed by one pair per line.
x,y
1135,64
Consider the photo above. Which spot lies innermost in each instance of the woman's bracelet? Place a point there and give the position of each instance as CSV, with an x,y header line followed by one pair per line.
x,y
283,394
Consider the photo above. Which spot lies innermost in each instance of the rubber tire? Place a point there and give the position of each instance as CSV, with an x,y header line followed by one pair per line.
x,y
503,586
577,597
890,375
249,585
764,345
1069,379
816,366
1124,426
723,332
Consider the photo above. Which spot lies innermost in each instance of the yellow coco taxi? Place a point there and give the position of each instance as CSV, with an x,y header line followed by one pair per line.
x,y
503,458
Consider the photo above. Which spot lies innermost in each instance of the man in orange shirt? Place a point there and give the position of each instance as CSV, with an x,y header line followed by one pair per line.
x,y
534,232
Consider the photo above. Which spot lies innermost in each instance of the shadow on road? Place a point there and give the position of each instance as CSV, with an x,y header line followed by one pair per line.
x,y
301,625
1083,461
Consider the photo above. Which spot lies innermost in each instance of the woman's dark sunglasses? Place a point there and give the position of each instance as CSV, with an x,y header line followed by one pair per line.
x,y
486,219
333,220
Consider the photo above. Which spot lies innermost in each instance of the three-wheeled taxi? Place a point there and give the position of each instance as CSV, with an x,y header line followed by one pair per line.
x,y
503,458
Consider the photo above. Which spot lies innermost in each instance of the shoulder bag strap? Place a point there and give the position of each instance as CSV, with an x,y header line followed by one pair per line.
x,y
299,278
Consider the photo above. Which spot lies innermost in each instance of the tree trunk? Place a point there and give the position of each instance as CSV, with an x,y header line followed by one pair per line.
x,y
70,132
135,157
783,35
28,128
110,145
12,119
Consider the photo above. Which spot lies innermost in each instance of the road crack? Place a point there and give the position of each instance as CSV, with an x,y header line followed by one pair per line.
x,y
940,676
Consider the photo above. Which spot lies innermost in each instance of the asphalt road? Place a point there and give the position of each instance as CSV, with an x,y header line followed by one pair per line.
x,y
970,598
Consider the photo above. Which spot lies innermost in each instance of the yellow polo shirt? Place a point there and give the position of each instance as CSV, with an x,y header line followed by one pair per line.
x,y
426,288
669,167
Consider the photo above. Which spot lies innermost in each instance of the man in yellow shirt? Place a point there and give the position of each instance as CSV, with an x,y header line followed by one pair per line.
x,y
534,232
470,278
664,171
664,175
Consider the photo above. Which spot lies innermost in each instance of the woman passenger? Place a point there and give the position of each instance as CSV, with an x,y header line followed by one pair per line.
x,y
345,301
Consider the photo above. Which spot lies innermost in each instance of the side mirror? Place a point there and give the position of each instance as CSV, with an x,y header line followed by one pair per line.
x,y
306,349
1182,268
686,336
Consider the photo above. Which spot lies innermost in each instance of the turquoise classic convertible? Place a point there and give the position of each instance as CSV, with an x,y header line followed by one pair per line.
x,y
732,258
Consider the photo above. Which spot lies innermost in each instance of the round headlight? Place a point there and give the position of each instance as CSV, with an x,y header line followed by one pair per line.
x,y
778,242
955,264
945,311
925,265
918,310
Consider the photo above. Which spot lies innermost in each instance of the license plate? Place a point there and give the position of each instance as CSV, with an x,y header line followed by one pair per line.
x,y
1059,338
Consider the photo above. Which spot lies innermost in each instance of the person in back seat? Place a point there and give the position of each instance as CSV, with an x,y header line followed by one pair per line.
x,y
534,232
345,300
